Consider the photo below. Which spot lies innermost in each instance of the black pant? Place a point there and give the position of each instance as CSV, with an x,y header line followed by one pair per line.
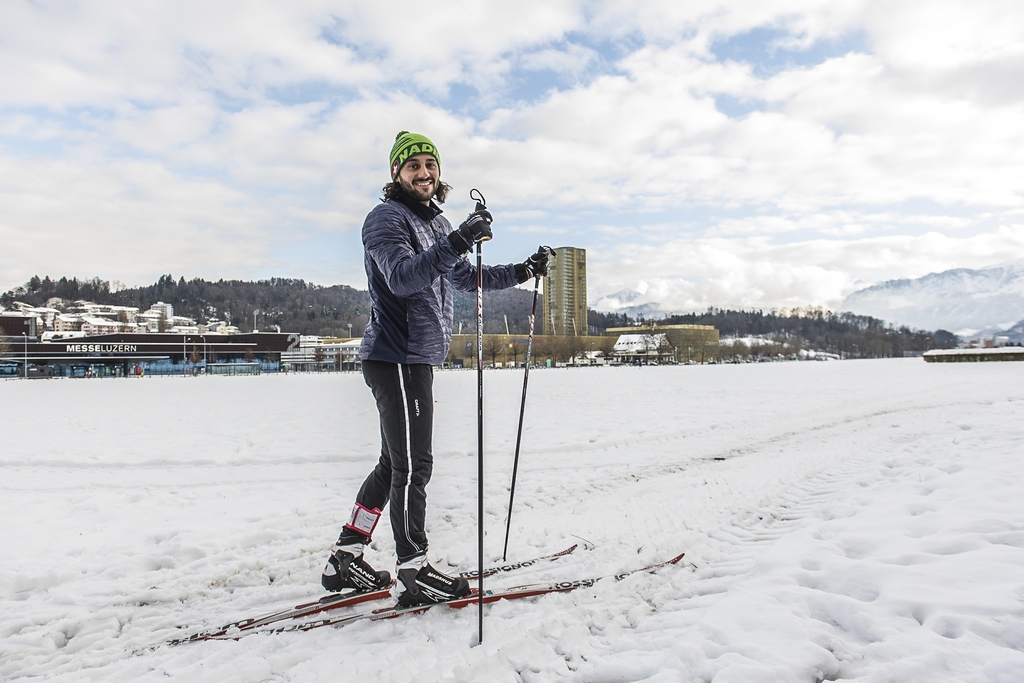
x,y
405,401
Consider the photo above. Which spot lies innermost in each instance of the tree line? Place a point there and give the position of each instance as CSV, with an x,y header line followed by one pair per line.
x,y
846,334
295,305
291,304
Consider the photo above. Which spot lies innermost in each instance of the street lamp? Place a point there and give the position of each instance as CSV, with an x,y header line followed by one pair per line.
x,y
25,335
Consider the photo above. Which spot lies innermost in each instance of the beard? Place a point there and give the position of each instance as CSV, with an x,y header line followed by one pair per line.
x,y
394,190
418,193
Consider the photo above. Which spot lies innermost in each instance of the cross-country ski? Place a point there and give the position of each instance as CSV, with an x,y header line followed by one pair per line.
x,y
334,602
514,593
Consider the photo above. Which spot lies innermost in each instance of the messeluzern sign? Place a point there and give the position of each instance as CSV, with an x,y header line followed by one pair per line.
x,y
101,348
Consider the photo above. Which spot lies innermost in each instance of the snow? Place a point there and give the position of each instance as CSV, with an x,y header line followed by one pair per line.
x,y
855,521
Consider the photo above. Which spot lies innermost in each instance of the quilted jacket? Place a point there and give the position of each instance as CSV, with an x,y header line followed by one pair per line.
x,y
412,270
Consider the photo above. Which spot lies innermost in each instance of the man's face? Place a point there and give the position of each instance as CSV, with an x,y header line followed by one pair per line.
x,y
420,176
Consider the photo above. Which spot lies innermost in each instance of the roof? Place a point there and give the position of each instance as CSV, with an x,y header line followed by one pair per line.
x,y
639,342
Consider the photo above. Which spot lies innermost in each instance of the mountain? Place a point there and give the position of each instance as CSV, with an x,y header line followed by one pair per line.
x,y
1015,333
624,302
964,301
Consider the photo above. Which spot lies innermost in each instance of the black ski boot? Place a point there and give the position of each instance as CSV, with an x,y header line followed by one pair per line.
x,y
426,585
347,570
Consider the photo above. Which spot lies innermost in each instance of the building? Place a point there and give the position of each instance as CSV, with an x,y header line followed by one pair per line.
x,y
314,354
93,326
118,355
97,319
165,310
44,315
18,323
565,294
686,342
67,323
642,349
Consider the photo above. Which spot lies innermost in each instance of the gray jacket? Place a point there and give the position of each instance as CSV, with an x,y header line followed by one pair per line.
x,y
412,270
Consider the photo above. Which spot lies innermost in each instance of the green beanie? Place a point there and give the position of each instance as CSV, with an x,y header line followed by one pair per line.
x,y
406,145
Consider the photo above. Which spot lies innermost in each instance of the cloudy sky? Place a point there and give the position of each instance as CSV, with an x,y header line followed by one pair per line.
x,y
746,153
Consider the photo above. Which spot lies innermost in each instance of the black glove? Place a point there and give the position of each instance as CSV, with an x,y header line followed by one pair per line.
x,y
535,266
476,228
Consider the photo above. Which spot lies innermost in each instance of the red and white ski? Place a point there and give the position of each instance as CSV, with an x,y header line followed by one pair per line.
x,y
526,591
337,601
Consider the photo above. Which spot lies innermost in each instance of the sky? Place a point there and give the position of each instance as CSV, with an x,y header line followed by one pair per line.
x,y
768,154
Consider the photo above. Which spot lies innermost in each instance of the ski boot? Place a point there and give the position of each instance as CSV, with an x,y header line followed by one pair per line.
x,y
346,568
421,584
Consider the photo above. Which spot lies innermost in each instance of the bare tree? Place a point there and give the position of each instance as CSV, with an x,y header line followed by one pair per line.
x,y
792,346
516,347
772,349
605,344
575,347
540,351
708,349
736,350
493,347
558,348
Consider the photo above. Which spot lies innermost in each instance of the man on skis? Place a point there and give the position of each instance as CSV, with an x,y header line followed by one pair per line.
x,y
414,261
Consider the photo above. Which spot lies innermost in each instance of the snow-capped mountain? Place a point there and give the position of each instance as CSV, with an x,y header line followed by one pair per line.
x,y
962,301
1015,334
626,301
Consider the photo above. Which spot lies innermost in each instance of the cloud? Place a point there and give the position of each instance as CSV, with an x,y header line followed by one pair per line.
x,y
248,139
572,60
841,132
142,215
754,273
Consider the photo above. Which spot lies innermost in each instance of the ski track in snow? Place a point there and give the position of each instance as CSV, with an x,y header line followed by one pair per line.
x,y
855,521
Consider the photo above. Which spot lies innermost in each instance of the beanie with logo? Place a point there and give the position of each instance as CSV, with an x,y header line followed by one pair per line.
x,y
409,144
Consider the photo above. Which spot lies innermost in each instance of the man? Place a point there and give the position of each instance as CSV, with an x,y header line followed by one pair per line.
x,y
414,262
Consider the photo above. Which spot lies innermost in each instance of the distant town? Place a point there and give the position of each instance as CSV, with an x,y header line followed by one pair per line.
x,y
87,339
176,327
66,320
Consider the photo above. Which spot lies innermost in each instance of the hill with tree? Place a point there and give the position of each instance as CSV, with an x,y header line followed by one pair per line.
x,y
849,334
293,305
306,308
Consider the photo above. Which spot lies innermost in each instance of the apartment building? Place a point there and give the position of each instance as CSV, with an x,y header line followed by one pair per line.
x,y
565,293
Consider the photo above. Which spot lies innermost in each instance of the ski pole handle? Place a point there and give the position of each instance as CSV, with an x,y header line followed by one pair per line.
x,y
481,203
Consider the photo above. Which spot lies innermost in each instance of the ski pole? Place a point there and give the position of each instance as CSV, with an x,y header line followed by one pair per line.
x,y
481,204
522,411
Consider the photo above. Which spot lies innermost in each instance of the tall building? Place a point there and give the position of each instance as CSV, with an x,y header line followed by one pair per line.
x,y
565,293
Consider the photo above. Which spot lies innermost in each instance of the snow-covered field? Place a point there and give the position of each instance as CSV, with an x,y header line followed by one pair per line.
x,y
856,520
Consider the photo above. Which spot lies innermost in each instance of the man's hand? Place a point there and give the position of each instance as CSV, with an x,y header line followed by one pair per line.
x,y
476,228
535,266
